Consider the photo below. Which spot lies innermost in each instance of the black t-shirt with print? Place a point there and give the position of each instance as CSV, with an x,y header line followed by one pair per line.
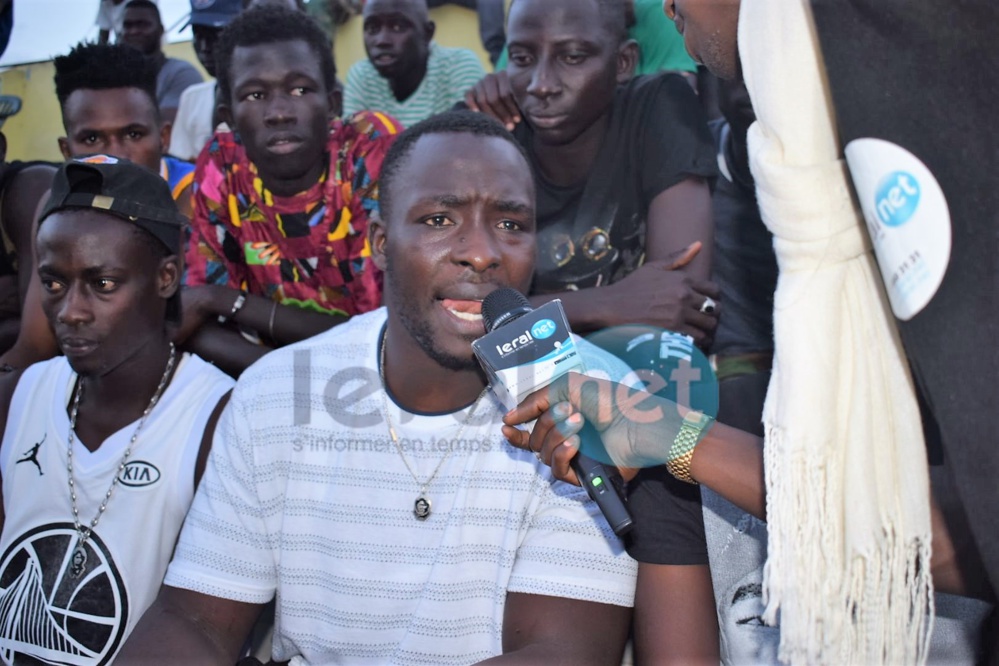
x,y
593,233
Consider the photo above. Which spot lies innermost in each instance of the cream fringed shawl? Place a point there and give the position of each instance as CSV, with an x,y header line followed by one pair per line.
x,y
846,475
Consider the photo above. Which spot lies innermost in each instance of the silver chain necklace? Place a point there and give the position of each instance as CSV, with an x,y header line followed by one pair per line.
x,y
78,562
422,505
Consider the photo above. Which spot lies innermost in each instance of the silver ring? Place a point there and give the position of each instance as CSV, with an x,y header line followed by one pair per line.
x,y
537,454
709,306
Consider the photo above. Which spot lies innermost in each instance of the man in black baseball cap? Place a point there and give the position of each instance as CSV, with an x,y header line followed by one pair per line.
x,y
128,191
102,447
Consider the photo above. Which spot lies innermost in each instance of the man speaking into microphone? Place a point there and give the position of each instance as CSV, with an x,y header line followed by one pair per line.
x,y
362,477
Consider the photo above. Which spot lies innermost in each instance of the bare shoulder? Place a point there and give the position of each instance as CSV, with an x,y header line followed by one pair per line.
x,y
24,196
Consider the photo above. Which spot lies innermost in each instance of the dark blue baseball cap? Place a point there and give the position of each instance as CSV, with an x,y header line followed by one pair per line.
x,y
214,13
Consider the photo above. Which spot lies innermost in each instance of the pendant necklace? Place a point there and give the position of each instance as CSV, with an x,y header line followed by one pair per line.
x,y
422,505
78,562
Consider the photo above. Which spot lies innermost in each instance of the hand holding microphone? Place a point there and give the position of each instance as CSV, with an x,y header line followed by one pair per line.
x,y
621,426
524,349
637,429
554,436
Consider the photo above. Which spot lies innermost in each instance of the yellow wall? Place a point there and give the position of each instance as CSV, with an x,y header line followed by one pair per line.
x,y
32,133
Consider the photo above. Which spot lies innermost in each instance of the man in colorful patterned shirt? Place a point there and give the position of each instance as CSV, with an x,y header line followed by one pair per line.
x,y
282,204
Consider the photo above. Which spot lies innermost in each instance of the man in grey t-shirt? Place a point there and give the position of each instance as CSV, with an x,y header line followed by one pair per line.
x,y
143,30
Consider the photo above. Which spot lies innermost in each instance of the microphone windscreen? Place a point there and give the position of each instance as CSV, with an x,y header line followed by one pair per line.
x,y
503,306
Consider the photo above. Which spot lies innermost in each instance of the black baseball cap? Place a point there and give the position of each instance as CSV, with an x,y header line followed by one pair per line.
x,y
121,188
126,190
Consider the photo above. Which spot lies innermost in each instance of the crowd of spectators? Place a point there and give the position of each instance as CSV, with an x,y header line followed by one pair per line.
x,y
238,389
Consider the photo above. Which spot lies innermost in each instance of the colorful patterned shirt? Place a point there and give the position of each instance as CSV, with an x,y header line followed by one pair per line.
x,y
309,249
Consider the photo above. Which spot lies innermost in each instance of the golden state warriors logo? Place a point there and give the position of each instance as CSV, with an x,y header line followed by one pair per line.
x,y
97,159
48,614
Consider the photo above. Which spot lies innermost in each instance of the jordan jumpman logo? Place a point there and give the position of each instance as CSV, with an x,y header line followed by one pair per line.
x,y
31,455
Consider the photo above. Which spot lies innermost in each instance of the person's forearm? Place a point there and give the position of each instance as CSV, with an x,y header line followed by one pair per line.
x,y
225,348
582,308
726,459
637,429
730,462
165,636
677,217
35,339
664,293
532,654
173,640
281,324
286,324
31,348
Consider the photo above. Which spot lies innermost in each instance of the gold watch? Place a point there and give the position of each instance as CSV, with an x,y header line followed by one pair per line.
x,y
682,451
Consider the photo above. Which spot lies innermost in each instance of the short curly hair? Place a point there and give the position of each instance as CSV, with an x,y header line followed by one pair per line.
x,y
104,67
269,24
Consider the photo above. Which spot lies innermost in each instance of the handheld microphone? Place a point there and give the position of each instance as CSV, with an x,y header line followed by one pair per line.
x,y
526,348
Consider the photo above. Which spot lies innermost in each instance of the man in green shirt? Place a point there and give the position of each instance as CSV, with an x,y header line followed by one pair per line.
x,y
660,46
406,75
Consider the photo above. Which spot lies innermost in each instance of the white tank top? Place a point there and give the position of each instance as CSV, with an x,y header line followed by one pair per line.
x,y
46,611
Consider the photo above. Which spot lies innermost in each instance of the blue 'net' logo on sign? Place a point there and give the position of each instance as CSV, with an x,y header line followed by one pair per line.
x,y
897,198
668,363
543,329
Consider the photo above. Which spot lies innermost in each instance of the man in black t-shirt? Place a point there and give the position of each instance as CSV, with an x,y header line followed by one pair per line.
x,y
622,169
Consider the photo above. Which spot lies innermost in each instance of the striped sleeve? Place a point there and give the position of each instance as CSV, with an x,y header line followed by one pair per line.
x,y
569,551
353,97
464,71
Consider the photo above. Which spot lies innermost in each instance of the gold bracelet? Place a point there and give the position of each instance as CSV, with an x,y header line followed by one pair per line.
x,y
682,450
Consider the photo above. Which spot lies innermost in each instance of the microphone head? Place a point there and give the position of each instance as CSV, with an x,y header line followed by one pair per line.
x,y
503,306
